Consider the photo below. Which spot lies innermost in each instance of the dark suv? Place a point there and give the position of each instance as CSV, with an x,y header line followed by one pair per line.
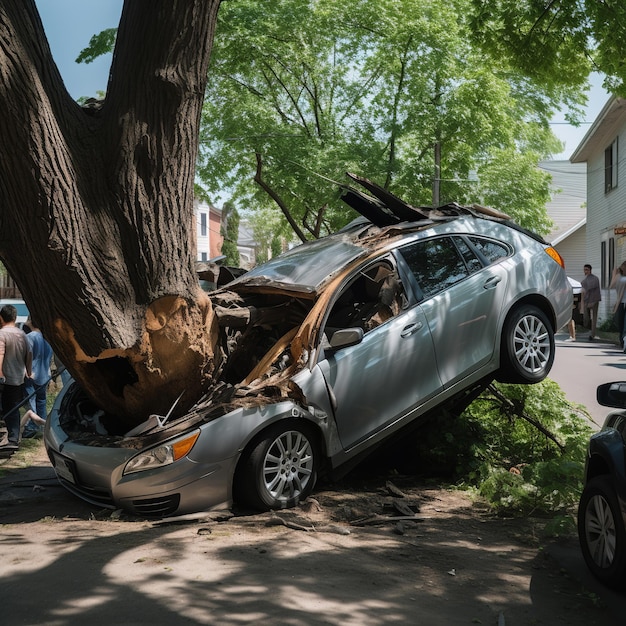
x,y
602,510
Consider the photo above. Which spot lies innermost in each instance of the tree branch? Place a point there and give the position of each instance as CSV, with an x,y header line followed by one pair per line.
x,y
258,179
510,405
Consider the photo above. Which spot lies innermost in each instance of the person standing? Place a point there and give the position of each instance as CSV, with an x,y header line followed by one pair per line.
x,y
592,297
37,386
618,282
15,365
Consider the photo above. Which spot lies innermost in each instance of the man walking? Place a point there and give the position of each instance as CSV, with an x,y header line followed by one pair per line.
x,y
591,299
15,365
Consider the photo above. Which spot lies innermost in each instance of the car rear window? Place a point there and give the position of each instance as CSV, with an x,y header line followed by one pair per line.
x,y
491,250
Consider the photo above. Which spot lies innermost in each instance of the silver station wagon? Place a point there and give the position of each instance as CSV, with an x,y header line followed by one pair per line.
x,y
329,350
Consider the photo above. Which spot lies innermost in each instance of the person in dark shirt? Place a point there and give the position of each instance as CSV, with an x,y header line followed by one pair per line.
x,y
592,297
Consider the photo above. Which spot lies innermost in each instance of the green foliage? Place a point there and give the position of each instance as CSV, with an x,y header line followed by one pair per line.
x,y
99,44
300,92
509,461
269,231
230,233
555,43
608,326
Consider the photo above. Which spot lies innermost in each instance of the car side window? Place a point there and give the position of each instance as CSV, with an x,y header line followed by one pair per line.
x,y
375,295
492,250
474,264
435,263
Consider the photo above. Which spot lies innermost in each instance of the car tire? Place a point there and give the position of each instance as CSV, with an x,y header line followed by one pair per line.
x,y
280,469
527,350
601,532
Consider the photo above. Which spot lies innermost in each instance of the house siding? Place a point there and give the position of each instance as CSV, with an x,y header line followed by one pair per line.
x,y
567,205
567,209
574,253
208,239
606,210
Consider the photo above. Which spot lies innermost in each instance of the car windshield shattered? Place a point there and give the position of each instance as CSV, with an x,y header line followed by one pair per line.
x,y
306,267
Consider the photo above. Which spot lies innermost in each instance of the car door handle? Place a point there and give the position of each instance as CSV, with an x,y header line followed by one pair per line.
x,y
407,331
490,283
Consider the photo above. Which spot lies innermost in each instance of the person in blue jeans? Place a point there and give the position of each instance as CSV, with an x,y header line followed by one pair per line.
x,y
37,386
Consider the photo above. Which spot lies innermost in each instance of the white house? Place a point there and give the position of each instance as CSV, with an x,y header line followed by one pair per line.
x,y
605,241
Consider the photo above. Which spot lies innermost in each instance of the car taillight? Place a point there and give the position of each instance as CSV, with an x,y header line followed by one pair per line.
x,y
555,255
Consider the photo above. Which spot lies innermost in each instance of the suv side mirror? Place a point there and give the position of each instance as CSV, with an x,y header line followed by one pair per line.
x,y
612,394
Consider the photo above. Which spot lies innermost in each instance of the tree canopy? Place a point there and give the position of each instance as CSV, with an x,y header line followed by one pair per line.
x,y
557,43
300,92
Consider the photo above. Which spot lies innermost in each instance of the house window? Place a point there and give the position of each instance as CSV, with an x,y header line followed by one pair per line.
x,y
203,224
610,167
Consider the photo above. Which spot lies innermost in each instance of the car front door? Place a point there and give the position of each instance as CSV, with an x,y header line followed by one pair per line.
x,y
390,372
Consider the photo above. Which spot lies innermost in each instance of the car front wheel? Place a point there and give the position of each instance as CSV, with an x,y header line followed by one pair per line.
x,y
601,532
281,468
527,346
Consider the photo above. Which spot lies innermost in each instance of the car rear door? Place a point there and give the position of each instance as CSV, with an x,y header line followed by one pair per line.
x,y
462,299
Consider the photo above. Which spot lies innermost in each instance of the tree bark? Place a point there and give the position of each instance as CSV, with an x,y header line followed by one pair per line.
x,y
96,204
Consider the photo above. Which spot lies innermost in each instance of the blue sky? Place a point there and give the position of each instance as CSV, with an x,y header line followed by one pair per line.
x,y
69,25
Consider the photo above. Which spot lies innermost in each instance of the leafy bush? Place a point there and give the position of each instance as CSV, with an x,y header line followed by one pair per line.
x,y
522,447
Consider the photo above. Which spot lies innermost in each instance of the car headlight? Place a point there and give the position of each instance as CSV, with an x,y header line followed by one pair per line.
x,y
162,455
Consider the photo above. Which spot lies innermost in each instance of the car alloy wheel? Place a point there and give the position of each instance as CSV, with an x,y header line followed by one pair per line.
x,y
281,469
528,346
601,532
288,465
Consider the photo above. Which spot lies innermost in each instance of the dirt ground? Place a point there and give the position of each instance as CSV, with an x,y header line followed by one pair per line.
x,y
384,549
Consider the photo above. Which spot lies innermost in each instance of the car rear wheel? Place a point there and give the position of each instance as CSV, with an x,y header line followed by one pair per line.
x,y
601,532
281,468
527,346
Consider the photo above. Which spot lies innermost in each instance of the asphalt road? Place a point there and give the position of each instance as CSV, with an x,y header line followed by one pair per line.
x,y
581,365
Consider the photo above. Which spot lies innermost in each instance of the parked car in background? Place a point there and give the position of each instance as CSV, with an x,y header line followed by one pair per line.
x,y
331,349
22,310
602,508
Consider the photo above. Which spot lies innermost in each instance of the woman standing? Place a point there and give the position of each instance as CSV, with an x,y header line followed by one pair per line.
x,y
618,282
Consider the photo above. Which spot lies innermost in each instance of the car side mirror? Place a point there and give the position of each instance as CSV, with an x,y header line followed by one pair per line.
x,y
346,337
612,394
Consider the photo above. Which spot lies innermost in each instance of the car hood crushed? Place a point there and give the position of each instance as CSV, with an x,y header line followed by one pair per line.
x,y
269,319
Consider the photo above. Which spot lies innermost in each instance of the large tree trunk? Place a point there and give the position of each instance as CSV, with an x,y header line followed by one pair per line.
x,y
96,204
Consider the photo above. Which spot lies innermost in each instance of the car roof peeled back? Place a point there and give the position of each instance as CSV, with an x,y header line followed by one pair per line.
x,y
384,209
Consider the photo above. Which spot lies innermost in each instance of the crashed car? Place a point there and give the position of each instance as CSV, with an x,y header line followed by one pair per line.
x,y
602,508
329,350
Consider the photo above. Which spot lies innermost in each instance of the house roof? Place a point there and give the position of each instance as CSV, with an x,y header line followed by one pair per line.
x,y
558,238
603,130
